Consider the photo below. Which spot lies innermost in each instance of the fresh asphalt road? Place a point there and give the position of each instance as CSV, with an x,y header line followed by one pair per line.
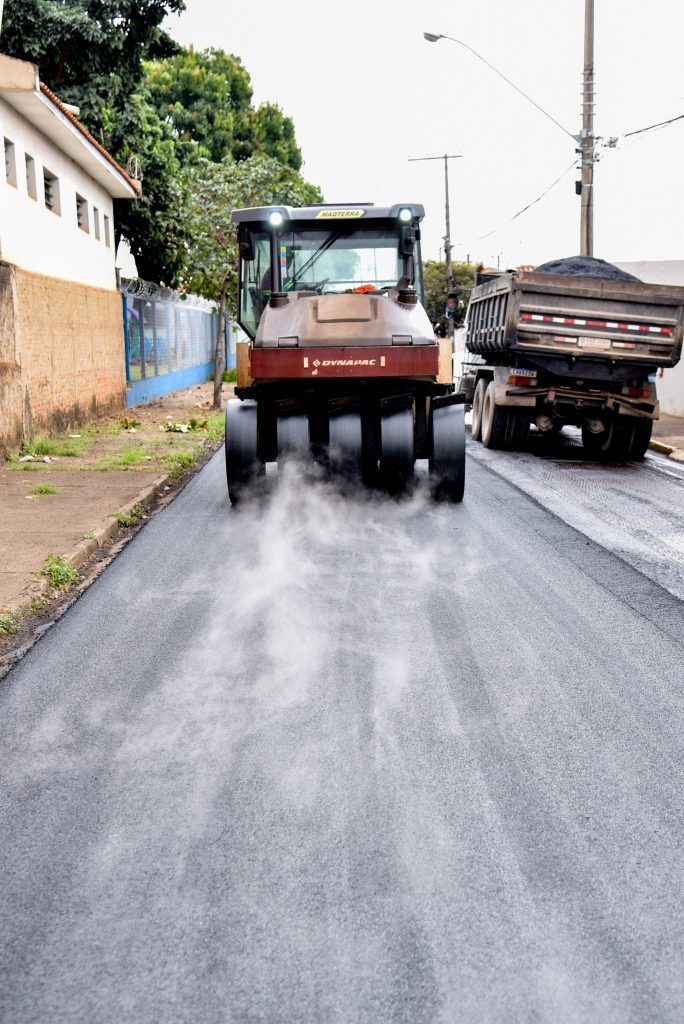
x,y
341,759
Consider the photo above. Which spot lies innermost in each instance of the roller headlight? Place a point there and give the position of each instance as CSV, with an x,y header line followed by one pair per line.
x,y
276,218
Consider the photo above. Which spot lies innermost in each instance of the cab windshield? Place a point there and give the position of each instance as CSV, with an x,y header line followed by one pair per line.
x,y
328,261
324,260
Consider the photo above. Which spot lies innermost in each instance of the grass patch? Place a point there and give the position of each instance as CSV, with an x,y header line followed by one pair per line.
x,y
66,447
9,623
178,462
45,489
127,424
216,425
59,572
126,459
229,376
38,603
130,518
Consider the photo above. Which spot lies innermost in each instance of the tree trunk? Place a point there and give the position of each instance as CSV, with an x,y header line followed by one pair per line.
x,y
219,353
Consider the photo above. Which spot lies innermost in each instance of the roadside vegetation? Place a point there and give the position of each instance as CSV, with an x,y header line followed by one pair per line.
x,y
58,571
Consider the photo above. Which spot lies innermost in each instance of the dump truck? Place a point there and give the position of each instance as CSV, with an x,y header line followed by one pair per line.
x,y
552,349
342,366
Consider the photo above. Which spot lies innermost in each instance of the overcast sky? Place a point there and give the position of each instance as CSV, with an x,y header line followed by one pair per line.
x,y
366,92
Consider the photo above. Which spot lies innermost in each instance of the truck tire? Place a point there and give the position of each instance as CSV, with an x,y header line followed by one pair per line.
x,y
640,438
613,444
478,402
495,421
519,428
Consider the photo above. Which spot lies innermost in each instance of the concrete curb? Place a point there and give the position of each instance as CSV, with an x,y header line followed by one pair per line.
x,y
84,549
677,454
658,446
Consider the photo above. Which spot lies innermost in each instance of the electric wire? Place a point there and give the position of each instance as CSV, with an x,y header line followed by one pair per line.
x,y
534,202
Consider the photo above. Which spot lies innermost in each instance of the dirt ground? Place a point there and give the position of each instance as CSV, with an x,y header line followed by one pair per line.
x,y
57,491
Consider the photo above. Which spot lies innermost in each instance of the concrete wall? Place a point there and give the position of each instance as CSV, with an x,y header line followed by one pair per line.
x,y
61,353
35,238
671,385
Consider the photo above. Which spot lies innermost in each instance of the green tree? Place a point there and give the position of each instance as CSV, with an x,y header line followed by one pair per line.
x,y
90,52
206,95
212,191
434,274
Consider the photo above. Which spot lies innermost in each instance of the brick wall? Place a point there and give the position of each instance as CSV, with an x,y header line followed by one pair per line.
x,y
61,353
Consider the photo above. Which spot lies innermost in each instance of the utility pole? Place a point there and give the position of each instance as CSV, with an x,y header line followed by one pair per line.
x,y
447,218
586,139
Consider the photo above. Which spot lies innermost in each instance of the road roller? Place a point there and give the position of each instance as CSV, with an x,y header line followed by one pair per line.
x,y
341,367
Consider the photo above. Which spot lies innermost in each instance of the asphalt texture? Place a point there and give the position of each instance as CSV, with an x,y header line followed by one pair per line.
x,y
338,758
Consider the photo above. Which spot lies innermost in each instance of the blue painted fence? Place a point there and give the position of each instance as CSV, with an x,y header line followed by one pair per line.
x,y
169,341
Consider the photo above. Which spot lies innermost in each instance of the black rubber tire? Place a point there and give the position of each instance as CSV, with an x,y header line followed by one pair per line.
x,y
397,458
496,421
596,444
447,460
293,436
243,467
519,428
640,437
624,438
345,451
478,400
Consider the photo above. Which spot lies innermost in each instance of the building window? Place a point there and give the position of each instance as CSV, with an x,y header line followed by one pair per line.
x,y
106,229
31,177
82,213
10,163
96,222
51,191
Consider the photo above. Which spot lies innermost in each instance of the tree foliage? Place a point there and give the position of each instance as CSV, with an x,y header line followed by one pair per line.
x,y
174,110
90,52
434,272
206,96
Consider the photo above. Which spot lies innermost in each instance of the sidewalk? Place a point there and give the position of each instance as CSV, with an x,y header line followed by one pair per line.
x,y
75,494
668,435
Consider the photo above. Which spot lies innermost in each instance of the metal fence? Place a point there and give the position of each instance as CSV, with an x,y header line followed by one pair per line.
x,y
169,340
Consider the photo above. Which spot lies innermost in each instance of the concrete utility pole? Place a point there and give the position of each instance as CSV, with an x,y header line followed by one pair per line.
x,y
447,219
586,139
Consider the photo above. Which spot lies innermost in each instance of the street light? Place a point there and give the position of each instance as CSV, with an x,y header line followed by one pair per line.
x,y
585,140
433,37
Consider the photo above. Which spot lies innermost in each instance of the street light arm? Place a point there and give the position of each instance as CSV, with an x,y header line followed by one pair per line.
x,y
434,38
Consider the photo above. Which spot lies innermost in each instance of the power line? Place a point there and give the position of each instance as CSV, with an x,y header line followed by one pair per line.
x,y
529,205
661,124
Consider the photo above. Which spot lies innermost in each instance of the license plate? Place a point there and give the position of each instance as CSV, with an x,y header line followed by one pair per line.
x,y
597,343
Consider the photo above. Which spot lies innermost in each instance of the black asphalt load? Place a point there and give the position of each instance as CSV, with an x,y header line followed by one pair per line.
x,y
345,759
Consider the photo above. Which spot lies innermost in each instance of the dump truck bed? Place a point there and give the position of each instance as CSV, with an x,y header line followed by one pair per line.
x,y
597,319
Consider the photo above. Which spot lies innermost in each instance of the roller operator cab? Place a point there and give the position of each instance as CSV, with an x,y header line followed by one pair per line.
x,y
342,366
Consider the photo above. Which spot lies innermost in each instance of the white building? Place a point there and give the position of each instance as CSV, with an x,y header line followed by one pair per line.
x,y
62,356
58,185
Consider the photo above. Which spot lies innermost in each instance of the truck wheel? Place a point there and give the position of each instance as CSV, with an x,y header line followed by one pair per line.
x,y
447,460
495,421
519,428
612,444
478,401
242,461
397,450
640,438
